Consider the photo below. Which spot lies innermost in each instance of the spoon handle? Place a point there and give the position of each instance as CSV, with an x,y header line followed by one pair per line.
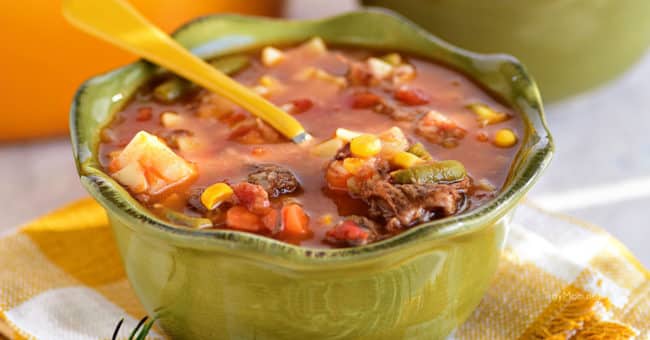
x,y
119,23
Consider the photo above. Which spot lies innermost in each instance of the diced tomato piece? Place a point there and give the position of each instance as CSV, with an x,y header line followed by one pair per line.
x,y
253,197
482,136
295,221
348,233
144,114
336,176
258,151
301,105
272,221
411,96
240,218
365,100
233,118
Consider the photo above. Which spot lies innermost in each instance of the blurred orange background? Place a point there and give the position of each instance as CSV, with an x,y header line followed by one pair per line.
x,y
44,59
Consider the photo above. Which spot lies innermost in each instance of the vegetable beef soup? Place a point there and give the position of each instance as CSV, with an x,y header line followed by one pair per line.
x,y
398,141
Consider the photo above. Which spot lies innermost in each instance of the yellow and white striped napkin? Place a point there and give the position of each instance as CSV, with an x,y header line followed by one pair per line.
x,y
61,278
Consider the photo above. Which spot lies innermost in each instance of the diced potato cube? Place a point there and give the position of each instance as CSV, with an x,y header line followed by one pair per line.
x,y
214,105
346,135
271,56
327,149
170,119
132,176
311,73
486,115
379,68
403,73
315,45
146,156
187,143
269,85
393,141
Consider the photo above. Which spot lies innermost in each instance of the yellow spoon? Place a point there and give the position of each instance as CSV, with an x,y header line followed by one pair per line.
x,y
117,22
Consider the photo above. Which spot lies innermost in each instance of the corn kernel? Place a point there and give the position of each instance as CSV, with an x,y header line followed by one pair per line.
x,y
392,58
505,138
346,135
405,159
271,56
486,115
315,45
216,194
365,146
170,119
327,219
353,165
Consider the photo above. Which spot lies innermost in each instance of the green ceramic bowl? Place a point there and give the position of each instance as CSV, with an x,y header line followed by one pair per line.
x,y
568,45
230,285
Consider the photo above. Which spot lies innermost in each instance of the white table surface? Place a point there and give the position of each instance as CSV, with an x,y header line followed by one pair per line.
x,y
601,171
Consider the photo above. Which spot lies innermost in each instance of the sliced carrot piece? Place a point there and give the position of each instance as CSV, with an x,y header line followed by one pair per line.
x,y
240,218
295,221
271,221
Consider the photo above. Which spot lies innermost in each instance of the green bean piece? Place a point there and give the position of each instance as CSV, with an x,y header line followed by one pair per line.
x,y
187,221
437,172
231,64
419,150
171,89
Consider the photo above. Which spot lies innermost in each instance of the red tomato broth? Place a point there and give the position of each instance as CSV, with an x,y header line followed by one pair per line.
x,y
222,160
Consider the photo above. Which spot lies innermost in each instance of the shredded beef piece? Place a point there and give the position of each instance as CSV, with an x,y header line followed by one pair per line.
x,y
343,153
254,131
359,74
404,205
276,180
171,137
440,129
379,104
394,112
194,200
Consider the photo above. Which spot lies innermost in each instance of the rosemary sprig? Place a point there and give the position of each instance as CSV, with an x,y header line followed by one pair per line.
x,y
140,331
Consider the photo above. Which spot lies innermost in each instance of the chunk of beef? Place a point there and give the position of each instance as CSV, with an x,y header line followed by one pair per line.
x,y
379,104
194,200
173,137
404,205
359,74
254,131
275,179
440,129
